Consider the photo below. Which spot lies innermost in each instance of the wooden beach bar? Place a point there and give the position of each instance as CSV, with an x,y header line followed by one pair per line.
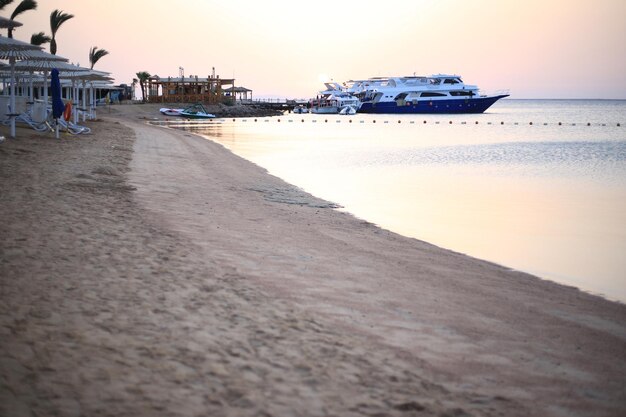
x,y
192,89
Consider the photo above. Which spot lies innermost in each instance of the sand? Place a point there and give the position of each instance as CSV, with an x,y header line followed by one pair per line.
x,y
146,271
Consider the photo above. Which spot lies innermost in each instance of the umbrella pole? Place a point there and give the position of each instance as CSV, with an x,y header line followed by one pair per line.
x,y
12,98
92,97
84,101
31,96
45,90
76,102
57,127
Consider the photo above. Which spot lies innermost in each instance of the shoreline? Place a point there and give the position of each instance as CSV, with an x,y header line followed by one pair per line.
x,y
235,293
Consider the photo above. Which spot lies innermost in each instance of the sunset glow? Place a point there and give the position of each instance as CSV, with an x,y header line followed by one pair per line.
x,y
537,49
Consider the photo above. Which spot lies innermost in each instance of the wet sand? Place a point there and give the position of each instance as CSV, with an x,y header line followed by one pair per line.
x,y
146,271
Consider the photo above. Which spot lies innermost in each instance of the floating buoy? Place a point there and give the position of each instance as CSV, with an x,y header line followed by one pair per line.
x,y
302,120
255,120
476,121
560,123
350,121
588,124
233,120
450,122
531,123
501,123
279,120
424,121
399,121
618,125
325,120
373,121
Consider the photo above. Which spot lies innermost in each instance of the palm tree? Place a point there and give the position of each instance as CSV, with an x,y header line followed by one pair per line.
x,y
143,77
95,54
24,6
57,18
39,38
4,3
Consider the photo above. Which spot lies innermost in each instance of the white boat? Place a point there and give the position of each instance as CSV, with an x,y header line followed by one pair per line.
x,y
333,100
195,111
347,110
416,94
170,112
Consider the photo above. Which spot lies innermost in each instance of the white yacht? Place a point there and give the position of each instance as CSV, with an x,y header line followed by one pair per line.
x,y
416,94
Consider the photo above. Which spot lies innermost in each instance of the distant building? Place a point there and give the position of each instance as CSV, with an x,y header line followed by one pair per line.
x,y
193,89
240,93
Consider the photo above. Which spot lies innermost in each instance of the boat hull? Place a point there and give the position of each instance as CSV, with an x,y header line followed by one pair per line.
x,y
197,115
170,112
452,106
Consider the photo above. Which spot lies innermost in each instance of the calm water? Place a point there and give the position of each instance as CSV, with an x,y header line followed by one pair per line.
x,y
544,198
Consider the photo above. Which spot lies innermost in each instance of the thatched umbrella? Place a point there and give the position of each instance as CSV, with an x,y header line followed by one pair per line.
x,y
14,50
40,61
8,23
84,77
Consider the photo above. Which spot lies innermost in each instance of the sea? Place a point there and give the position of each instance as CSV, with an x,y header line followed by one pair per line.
x,y
535,185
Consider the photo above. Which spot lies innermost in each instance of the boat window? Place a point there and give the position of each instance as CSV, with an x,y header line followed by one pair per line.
x,y
461,93
450,81
429,94
435,81
401,96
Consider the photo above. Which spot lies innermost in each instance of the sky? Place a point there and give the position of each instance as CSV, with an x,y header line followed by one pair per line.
x,y
277,48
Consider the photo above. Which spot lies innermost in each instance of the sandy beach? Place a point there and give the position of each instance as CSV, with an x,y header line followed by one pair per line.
x,y
146,271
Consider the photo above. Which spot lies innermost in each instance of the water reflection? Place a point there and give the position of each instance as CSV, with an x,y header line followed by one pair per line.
x,y
546,199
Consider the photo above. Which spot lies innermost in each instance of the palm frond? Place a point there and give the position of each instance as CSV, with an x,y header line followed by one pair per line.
x,y
143,75
24,6
57,18
95,54
4,3
39,38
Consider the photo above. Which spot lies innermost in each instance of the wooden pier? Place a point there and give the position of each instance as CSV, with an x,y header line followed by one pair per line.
x,y
274,103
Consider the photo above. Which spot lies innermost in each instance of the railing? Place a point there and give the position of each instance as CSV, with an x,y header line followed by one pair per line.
x,y
188,98
493,92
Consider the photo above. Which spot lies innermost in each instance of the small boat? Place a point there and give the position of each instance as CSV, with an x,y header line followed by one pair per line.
x,y
196,111
347,111
300,109
333,100
170,112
